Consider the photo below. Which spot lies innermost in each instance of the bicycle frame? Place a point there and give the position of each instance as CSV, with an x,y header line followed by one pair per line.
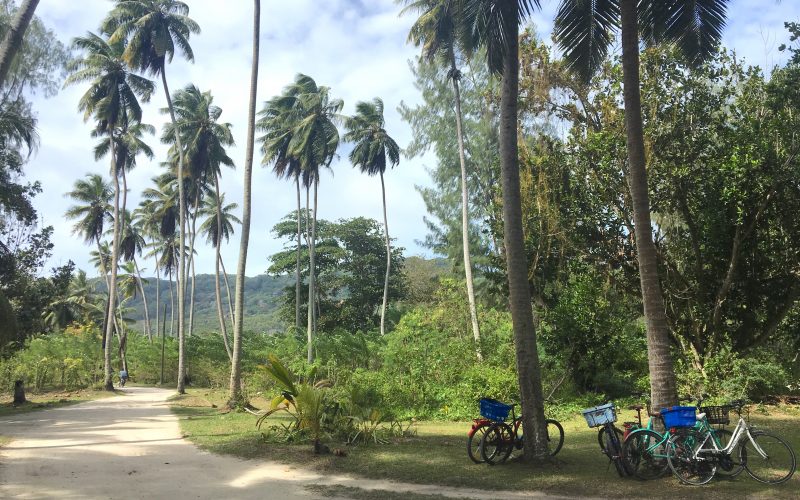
x,y
742,429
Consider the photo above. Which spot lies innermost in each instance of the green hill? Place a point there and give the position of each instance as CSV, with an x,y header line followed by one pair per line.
x,y
261,295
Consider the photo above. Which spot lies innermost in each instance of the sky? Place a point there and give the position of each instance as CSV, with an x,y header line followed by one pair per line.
x,y
356,47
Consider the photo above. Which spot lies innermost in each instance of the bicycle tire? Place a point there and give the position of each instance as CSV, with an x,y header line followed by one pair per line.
x,y
474,439
613,448
497,443
780,457
728,466
646,453
680,457
554,429
601,439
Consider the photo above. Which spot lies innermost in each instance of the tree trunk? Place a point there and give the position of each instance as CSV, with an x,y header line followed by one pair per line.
x,y
530,382
144,300
13,40
227,289
297,270
112,282
663,385
181,241
223,327
191,262
473,312
235,395
388,259
19,393
312,277
171,308
158,293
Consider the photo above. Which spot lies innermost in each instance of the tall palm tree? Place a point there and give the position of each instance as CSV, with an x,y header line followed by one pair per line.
x,y
93,195
437,31
235,393
13,40
315,139
219,225
494,24
111,100
373,146
153,29
278,120
204,140
584,30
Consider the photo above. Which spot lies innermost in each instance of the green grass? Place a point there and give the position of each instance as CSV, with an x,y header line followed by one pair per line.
x,y
437,455
48,399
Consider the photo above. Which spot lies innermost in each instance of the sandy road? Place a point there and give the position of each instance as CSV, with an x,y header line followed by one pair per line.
x,y
130,446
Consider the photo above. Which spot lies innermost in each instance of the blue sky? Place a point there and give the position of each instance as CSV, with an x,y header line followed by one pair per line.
x,y
356,47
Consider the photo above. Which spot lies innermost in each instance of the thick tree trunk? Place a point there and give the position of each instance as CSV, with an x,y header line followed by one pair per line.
x,y
112,282
171,307
529,373
473,312
13,40
223,327
297,270
181,242
388,259
235,394
663,385
312,277
19,393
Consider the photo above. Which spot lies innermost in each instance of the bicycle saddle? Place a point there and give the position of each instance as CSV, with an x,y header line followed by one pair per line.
x,y
636,407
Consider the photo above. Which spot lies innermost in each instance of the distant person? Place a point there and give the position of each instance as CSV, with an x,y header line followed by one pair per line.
x,y
123,377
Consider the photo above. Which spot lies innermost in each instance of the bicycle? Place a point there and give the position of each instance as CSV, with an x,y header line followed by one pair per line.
x,y
604,416
694,456
501,438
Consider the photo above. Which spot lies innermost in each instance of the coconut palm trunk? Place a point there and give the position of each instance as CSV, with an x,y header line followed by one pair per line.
x,y
13,40
223,327
181,241
192,239
236,373
158,294
227,289
144,301
388,258
297,270
662,375
171,307
108,383
528,370
473,312
312,278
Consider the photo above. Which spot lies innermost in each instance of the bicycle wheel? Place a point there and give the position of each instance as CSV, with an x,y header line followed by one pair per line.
x,y
555,436
601,436
687,467
646,454
474,441
497,443
728,466
613,448
775,465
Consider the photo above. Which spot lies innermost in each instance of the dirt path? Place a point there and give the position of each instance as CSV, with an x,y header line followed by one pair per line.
x,y
130,446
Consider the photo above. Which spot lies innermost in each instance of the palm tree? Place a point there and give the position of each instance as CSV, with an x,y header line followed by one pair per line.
x,y
277,120
153,29
584,31
315,139
93,195
204,140
372,148
437,31
13,40
217,226
112,100
495,25
235,393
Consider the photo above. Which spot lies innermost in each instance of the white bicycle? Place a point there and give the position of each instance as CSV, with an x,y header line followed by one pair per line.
x,y
694,455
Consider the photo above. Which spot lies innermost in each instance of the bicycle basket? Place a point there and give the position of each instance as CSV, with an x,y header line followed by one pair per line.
x,y
679,416
600,415
494,409
716,414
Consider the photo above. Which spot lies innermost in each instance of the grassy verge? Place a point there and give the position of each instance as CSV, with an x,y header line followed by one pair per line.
x,y
437,455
